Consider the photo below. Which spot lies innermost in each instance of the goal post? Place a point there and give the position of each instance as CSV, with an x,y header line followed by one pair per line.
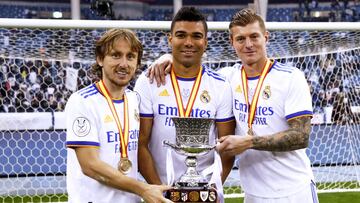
x,y
43,61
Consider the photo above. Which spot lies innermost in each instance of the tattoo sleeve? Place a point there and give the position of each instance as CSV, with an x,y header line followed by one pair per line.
x,y
296,137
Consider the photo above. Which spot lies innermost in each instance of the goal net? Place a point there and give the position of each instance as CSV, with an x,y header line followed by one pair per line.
x,y
43,61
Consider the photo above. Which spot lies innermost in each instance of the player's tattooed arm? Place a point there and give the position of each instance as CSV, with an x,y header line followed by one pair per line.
x,y
296,137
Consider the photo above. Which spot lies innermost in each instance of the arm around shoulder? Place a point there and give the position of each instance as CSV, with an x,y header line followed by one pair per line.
x,y
159,69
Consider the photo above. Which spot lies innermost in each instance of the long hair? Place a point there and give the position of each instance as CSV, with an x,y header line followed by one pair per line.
x,y
107,42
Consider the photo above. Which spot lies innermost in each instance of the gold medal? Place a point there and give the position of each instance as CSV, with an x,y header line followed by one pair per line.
x,y
124,165
253,106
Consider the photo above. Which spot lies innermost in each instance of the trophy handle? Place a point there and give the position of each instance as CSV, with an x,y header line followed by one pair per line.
x,y
166,142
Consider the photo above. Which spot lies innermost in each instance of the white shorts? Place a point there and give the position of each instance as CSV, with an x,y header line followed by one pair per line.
x,y
306,195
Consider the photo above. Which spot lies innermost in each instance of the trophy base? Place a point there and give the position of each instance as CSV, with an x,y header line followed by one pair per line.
x,y
184,193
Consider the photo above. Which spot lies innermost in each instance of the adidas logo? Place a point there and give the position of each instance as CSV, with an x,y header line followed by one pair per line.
x,y
164,93
238,89
108,119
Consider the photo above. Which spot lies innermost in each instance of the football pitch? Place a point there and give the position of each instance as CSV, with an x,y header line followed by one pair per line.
x,y
340,197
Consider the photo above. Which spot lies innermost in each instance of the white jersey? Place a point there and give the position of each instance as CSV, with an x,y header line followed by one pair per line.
x,y
284,95
90,123
159,103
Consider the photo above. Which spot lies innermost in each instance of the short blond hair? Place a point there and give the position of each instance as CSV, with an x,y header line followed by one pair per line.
x,y
246,16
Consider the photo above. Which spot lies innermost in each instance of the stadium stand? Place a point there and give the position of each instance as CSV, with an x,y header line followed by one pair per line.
x,y
38,85
326,11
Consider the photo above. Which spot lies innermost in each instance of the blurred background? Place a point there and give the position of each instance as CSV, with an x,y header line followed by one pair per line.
x,y
272,10
41,66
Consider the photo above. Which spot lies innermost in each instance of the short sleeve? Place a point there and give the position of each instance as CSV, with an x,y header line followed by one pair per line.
x,y
144,92
225,112
298,102
228,71
81,125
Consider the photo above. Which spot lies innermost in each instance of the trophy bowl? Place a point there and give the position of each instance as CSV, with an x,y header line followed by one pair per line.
x,y
192,140
190,150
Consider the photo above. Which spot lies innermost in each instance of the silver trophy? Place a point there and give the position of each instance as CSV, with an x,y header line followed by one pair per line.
x,y
192,140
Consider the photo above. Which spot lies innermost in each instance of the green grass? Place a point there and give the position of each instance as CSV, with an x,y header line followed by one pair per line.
x,y
26,199
338,185
341,197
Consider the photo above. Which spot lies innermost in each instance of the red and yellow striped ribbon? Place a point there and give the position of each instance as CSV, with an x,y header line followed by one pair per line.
x,y
185,112
124,133
252,107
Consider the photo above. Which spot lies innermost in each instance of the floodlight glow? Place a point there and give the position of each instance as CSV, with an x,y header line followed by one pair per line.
x,y
57,14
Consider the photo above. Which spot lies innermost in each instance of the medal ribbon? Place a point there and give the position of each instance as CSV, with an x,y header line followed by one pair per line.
x,y
124,133
185,112
252,107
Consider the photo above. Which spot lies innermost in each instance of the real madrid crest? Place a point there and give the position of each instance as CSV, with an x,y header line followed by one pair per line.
x,y
212,196
81,126
205,97
266,92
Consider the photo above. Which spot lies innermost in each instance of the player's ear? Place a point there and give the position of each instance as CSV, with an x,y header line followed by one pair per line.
x,y
99,61
169,39
267,35
231,39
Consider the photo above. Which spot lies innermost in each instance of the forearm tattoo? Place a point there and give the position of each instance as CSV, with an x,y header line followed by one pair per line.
x,y
296,137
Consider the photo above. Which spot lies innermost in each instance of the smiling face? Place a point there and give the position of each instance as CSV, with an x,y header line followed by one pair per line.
x,y
249,42
118,55
188,42
119,64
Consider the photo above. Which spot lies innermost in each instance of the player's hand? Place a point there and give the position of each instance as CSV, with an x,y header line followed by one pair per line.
x,y
159,69
154,194
233,145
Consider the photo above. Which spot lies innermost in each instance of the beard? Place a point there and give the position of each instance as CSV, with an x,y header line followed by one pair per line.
x,y
118,80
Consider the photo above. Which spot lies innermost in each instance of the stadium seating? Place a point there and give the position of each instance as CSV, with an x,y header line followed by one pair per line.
x,y
274,14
